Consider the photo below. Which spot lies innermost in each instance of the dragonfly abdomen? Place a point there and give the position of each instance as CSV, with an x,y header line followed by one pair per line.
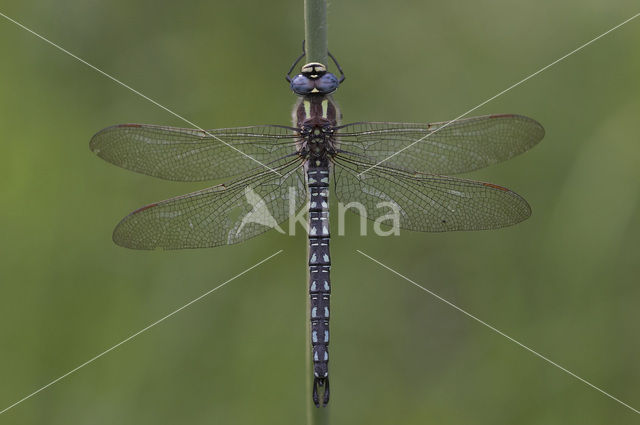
x,y
319,268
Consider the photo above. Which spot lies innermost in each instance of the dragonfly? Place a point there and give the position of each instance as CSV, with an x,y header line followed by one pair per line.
x,y
277,171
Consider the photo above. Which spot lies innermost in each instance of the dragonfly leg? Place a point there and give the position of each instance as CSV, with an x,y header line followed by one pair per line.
x,y
288,76
342,76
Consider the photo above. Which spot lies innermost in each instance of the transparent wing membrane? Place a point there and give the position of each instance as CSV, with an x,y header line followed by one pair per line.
x,y
219,215
464,145
427,202
261,199
185,154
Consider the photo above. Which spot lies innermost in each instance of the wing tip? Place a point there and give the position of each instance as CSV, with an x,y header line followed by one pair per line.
x,y
540,129
522,210
96,137
121,235
95,140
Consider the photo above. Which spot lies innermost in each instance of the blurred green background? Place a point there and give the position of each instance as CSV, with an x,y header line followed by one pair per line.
x,y
565,282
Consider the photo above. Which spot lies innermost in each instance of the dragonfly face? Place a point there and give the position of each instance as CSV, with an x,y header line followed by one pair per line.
x,y
314,79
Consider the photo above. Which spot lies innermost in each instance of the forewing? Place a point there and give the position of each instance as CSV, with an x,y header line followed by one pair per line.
x,y
441,148
192,155
427,202
219,215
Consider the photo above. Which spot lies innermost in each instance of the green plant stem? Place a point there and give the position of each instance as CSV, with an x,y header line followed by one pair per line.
x,y
315,30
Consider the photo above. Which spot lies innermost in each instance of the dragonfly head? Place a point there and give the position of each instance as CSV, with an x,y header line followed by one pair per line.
x,y
314,79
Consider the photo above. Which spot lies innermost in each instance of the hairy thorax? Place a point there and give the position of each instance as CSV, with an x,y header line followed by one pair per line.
x,y
316,117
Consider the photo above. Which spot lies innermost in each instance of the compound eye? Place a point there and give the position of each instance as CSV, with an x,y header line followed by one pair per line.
x,y
301,84
328,83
